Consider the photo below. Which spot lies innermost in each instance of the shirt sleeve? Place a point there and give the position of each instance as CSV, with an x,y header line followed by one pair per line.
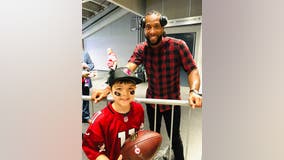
x,y
187,60
137,56
88,60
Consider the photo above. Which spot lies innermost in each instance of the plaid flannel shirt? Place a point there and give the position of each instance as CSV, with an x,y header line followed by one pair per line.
x,y
163,66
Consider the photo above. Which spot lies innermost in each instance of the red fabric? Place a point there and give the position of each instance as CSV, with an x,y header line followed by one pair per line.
x,y
108,128
163,67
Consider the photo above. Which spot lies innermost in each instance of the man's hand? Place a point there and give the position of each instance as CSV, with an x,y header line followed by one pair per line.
x,y
195,100
100,94
85,73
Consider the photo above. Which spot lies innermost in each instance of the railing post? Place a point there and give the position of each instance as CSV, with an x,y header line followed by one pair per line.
x,y
171,134
186,147
92,106
155,120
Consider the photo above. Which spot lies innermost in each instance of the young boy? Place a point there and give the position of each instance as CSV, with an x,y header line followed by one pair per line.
x,y
121,118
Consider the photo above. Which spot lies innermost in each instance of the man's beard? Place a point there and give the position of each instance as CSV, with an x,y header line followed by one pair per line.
x,y
153,44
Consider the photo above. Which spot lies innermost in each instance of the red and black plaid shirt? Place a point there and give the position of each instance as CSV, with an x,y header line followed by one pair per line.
x,y
162,66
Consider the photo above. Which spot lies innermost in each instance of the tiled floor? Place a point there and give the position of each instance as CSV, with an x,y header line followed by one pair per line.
x,y
191,120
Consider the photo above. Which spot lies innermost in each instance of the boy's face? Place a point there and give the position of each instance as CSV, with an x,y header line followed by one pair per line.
x,y
123,93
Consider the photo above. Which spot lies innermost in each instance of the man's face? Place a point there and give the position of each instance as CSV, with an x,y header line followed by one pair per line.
x,y
153,30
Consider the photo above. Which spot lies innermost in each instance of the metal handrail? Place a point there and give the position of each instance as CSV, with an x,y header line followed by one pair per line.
x,y
151,101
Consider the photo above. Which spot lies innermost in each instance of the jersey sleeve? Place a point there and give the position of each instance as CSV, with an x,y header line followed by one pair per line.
x,y
140,112
93,141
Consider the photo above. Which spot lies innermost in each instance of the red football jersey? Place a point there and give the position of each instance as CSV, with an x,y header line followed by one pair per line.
x,y
109,130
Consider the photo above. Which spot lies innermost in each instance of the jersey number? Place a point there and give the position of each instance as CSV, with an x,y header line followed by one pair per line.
x,y
122,135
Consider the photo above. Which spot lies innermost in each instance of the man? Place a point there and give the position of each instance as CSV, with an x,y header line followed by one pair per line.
x,y
87,66
162,58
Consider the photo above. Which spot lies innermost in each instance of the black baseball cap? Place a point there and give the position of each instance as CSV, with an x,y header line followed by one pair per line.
x,y
122,73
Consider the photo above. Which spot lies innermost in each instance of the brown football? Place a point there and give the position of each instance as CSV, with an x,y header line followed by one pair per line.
x,y
141,146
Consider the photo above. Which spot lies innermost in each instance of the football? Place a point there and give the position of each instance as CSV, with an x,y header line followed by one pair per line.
x,y
141,146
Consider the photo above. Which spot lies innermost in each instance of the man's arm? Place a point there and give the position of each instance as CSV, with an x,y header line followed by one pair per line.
x,y
89,62
195,100
99,94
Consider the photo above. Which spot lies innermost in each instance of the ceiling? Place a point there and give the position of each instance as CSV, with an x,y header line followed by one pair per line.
x,y
91,8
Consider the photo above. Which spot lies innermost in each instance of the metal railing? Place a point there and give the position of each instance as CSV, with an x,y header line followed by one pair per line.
x,y
155,102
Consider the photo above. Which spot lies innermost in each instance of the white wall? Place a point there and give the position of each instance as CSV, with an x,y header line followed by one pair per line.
x,y
117,36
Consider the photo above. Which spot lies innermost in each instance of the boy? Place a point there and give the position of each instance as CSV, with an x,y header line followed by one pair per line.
x,y
117,121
